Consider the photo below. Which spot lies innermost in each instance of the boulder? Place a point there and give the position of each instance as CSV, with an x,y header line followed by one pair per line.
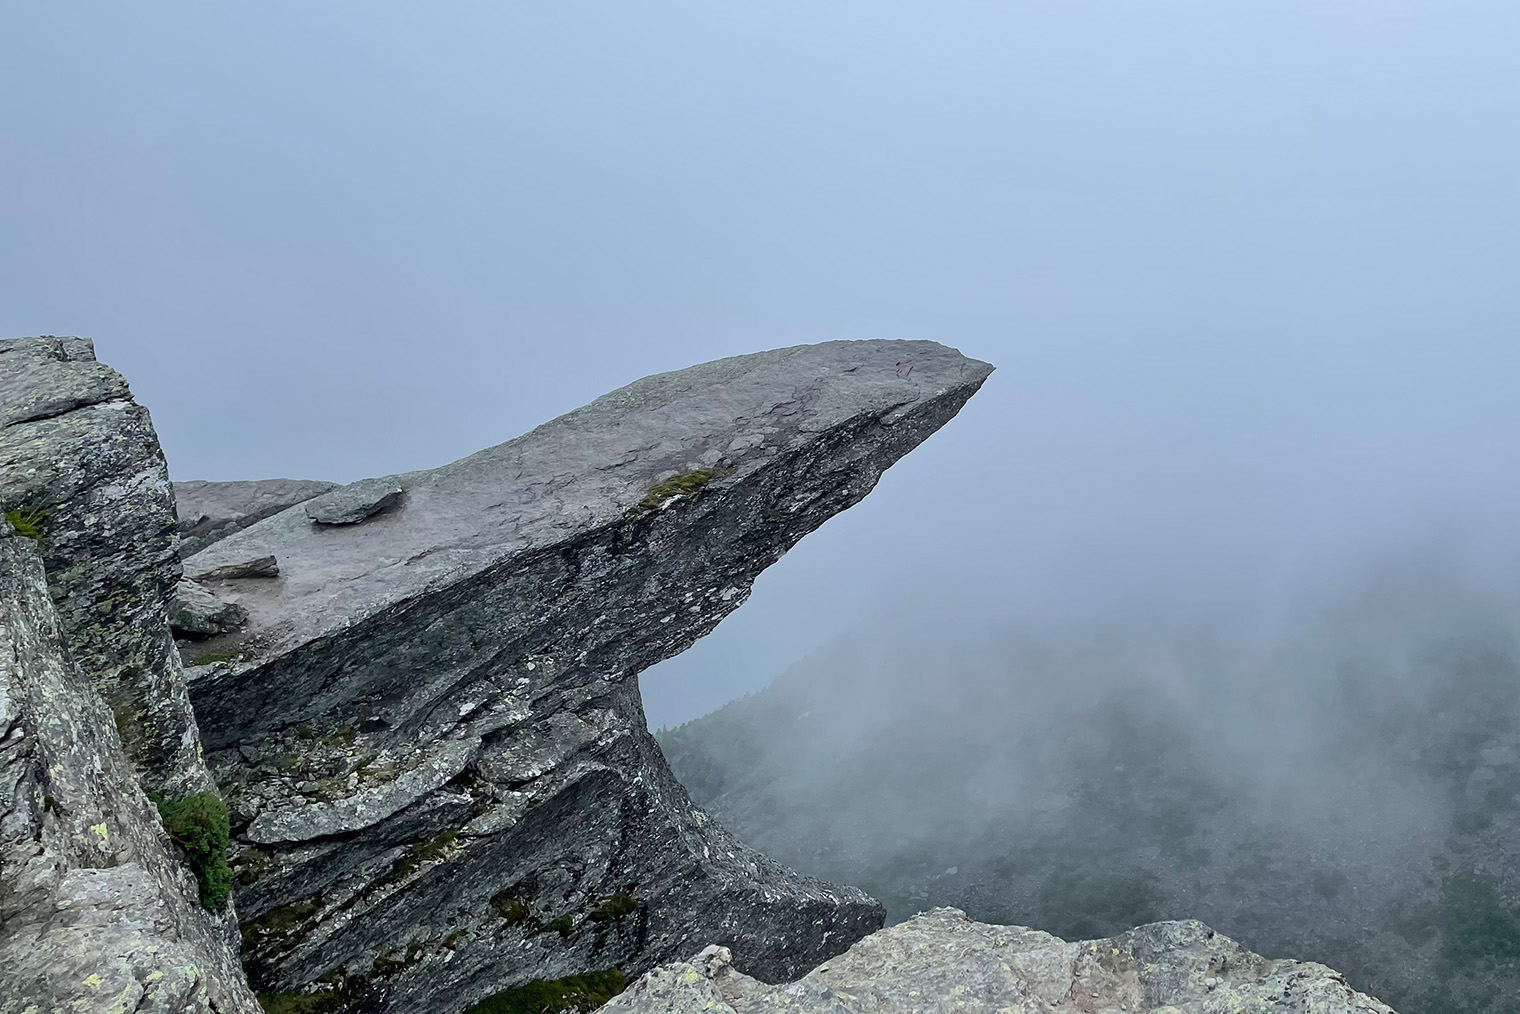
x,y
431,734
210,511
941,961
97,911
197,612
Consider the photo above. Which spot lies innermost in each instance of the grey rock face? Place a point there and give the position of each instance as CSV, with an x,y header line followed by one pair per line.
x,y
943,961
433,740
196,612
78,449
210,511
96,913
356,502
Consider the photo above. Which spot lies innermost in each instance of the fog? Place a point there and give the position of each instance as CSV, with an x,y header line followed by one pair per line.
x,y
1242,494
1246,270
1333,775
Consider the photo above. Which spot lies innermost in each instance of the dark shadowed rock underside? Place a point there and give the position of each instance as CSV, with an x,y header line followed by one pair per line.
x,y
432,737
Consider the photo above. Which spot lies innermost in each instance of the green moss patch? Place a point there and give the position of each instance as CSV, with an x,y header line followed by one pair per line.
x,y
420,854
552,996
615,908
669,489
513,910
198,824
210,657
564,925
27,522
278,923
300,1003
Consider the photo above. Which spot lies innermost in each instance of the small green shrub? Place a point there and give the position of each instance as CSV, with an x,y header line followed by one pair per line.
x,y
224,655
564,925
615,908
552,996
300,1003
27,522
676,485
199,825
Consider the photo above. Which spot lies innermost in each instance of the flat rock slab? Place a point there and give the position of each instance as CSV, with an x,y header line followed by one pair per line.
x,y
356,502
943,961
257,566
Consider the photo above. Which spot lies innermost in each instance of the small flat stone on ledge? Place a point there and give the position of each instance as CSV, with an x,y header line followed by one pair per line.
x,y
258,566
356,502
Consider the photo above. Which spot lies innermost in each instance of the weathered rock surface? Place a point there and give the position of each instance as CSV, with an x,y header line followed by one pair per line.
x,y
433,740
210,511
77,449
96,911
197,612
942,961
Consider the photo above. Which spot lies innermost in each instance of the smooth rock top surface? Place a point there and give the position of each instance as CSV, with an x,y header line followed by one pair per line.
x,y
942,961
432,737
585,469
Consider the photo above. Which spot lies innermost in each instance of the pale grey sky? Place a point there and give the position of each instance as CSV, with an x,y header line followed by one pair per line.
x,y
1248,269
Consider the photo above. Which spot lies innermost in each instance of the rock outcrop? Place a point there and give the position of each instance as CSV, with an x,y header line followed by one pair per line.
x,y
941,960
97,911
431,734
80,458
211,511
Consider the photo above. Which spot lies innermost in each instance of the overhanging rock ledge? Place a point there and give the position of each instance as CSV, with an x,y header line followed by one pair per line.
x,y
431,734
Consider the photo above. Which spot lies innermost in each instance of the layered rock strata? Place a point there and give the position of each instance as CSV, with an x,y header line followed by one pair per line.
x,y
943,961
431,734
97,912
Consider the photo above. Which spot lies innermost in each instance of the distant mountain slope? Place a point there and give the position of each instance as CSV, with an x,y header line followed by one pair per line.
x,y
1344,794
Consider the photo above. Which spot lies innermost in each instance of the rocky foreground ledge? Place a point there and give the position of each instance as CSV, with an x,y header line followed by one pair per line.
x,y
942,961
